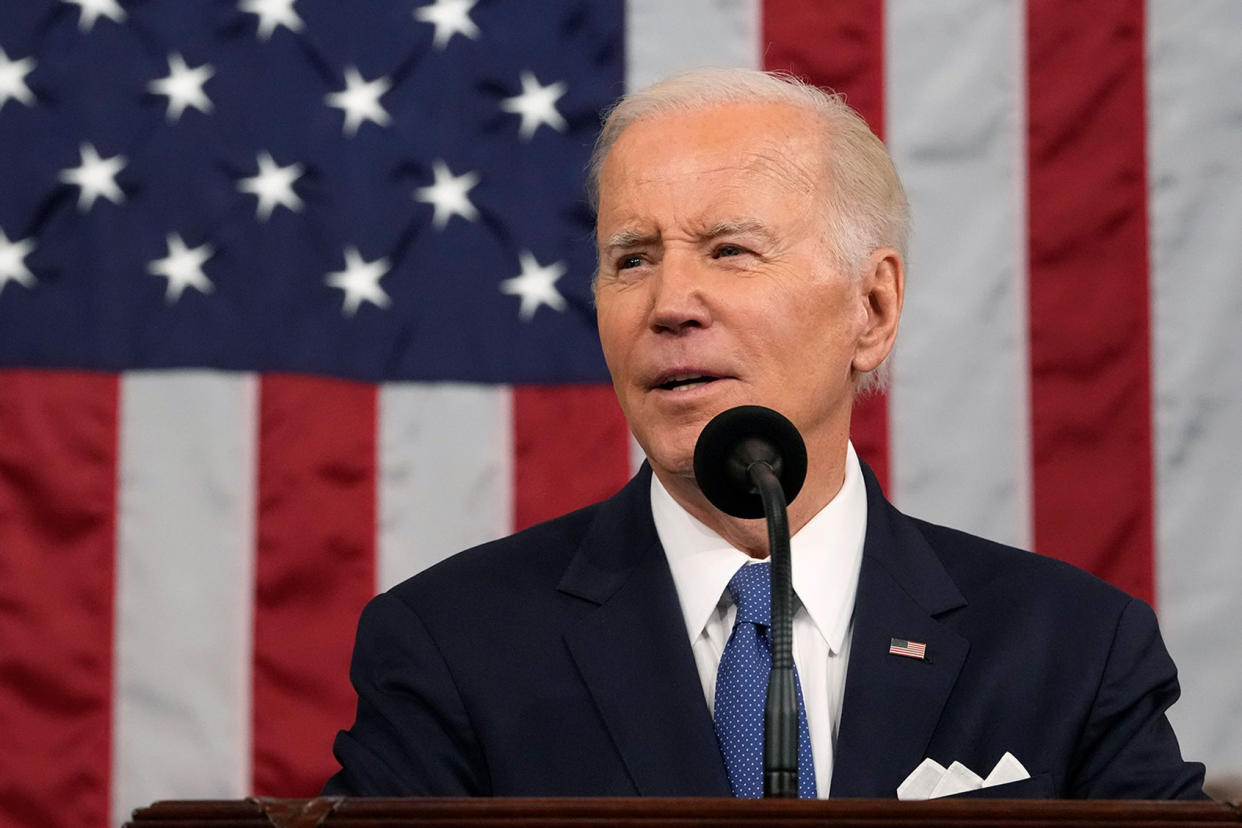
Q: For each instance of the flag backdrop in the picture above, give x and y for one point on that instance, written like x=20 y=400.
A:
x=294 y=301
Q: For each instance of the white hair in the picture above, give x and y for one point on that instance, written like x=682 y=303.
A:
x=867 y=207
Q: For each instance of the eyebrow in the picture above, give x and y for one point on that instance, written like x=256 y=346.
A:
x=738 y=227
x=629 y=239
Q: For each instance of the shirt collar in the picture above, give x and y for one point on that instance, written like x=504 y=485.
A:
x=827 y=554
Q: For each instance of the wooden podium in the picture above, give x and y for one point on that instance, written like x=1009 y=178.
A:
x=533 y=813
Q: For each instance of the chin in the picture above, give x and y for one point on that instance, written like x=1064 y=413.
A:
x=672 y=456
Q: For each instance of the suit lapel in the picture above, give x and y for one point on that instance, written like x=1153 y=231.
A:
x=635 y=660
x=633 y=653
x=892 y=703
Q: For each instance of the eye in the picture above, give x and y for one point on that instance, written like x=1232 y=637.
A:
x=629 y=262
x=727 y=250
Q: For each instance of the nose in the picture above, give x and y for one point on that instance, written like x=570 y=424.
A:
x=679 y=301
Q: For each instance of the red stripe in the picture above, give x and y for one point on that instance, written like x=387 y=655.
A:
x=1089 y=337
x=570 y=446
x=838 y=45
x=913 y=652
x=58 y=456
x=315 y=569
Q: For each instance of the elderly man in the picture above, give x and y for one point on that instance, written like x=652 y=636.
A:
x=751 y=232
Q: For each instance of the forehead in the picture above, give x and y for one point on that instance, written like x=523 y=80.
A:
x=730 y=150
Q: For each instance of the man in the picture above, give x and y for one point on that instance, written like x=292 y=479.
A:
x=751 y=233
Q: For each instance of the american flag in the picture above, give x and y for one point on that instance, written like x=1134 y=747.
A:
x=910 y=649
x=294 y=301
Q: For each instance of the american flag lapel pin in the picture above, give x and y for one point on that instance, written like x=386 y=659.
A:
x=909 y=649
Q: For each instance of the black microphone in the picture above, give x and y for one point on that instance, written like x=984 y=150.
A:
x=749 y=462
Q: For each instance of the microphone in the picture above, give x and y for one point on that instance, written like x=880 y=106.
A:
x=735 y=440
x=750 y=462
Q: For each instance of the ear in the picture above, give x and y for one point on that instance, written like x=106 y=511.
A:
x=882 y=288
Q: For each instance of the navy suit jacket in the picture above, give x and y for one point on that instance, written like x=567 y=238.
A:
x=555 y=662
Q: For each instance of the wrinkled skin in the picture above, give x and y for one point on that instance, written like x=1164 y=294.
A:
x=715 y=263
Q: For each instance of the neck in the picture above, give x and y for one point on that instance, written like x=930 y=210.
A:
x=824 y=479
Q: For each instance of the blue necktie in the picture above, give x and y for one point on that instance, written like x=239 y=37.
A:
x=742 y=686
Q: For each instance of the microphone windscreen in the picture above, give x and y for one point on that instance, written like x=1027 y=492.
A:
x=731 y=442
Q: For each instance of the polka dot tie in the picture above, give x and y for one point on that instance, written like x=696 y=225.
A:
x=742 y=686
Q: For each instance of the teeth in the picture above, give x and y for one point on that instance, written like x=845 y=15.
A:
x=683 y=382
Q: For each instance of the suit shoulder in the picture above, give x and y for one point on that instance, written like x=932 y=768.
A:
x=982 y=566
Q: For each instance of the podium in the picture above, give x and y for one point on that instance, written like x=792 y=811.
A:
x=338 y=812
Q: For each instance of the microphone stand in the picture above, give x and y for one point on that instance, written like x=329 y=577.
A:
x=780 y=725
x=742 y=452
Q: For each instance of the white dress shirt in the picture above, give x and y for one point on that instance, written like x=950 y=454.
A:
x=827 y=553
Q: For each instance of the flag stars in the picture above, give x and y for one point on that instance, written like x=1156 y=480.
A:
x=449 y=195
x=96 y=177
x=183 y=86
x=536 y=285
x=273 y=13
x=450 y=17
x=183 y=267
x=13 y=262
x=13 y=79
x=360 y=100
x=360 y=281
x=273 y=186
x=92 y=10
x=536 y=105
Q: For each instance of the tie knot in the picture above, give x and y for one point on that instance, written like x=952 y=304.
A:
x=751 y=589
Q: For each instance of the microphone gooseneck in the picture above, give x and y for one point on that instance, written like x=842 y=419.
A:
x=750 y=462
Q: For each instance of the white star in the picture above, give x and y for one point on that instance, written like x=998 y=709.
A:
x=183 y=268
x=360 y=281
x=537 y=105
x=273 y=13
x=273 y=185
x=93 y=9
x=360 y=100
x=12 y=265
x=450 y=17
x=183 y=86
x=13 y=79
x=536 y=285
x=96 y=176
x=449 y=195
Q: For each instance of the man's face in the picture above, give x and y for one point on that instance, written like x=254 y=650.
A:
x=716 y=285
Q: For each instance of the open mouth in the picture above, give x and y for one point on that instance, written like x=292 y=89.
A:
x=686 y=382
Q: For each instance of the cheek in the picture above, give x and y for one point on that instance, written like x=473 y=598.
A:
x=615 y=332
x=825 y=326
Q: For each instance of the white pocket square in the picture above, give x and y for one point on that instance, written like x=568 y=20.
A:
x=931 y=779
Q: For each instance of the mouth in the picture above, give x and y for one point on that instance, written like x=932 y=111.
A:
x=685 y=382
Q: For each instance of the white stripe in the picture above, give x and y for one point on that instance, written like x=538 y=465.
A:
x=637 y=455
x=667 y=36
x=184 y=586
x=958 y=405
x=445 y=473
x=1195 y=203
